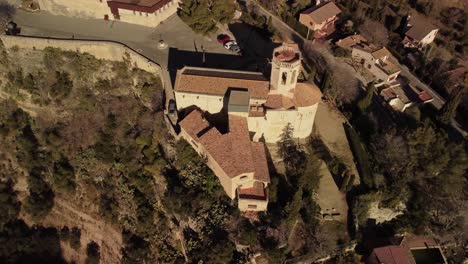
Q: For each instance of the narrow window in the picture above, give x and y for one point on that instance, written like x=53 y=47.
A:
x=243 y=177
x=284 y=77
x=252 y=206
x=293 y=77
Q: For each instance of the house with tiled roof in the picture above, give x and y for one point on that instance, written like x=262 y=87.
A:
x=257 y=110
x=398 y=97
x=320 y=19
x=378 y=61
x=349 y=42
x=142 y=12
x=390 y=255
x=419 y=32
x=409 y=249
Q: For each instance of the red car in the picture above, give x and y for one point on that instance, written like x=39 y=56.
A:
x=223 y=38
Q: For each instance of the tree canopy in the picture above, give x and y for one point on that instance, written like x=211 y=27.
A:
x=202 y=15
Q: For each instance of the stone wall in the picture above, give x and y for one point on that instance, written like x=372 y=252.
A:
x=105 y=50
x=76 y=8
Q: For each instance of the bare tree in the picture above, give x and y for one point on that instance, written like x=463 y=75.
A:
x=374 y=31
x=344 y=84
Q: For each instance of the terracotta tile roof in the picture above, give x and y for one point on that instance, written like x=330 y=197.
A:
x=278 y=101
x=321 y=13
x=194 y=123
x=412 y=241
x=420 y=27
x=424 y=96
x=261 y=164
x=217 y=82
x=388 y=94
x=147 y=3
x=392 y=255
x=350 y=41
x=381 y=53
x=306 y=94
x=252 y=193
x=233 y=151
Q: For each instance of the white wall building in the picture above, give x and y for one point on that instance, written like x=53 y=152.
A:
x=271 y=105
x=378 y=61
x=142 y=12
x=419 y=33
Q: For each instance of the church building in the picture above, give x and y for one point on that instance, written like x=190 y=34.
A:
x=257 y=111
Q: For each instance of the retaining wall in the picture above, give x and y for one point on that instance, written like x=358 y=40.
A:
x=106 y=50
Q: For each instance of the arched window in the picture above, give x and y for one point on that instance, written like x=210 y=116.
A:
x=284 y=77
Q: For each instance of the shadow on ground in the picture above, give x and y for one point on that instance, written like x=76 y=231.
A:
x=256 y=53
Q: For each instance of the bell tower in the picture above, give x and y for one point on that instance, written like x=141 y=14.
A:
x=285 y=68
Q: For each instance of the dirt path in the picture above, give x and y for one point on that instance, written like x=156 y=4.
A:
x=92 y=229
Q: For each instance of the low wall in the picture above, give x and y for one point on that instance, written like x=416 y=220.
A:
x=106 y=50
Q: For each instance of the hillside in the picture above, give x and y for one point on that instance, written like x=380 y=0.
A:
x=82 y=137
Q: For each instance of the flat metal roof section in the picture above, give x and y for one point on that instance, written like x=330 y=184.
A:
x=255 y=76
x=239 y=101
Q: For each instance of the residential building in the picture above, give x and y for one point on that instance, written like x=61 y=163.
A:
x=349 y=42
x=268 y=105
x=239 y=163
x=378 y=61
x=390 y=255
x=408 y=250
x=424 y=96
x=142 y=12
x=397 y=97
x=320 y=19
x=419 y=32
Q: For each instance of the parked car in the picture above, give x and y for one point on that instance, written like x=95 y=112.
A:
x=172 y=108
x=228 y=45
x=236 y=49
x=223 y=38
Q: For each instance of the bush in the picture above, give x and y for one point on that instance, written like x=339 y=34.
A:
x=92 y=253
x=63 y=177
x=75 y=238
x=340 y=52
x=65 y=233
x=361 y=156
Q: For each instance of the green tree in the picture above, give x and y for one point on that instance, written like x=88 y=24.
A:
x=63 y=176
x=41 y=197
x=364 y=103
x=75 y=238
x=202 y=15
x=293 y=157
x=449 y=110
x=9 y=203
x=92 y=253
